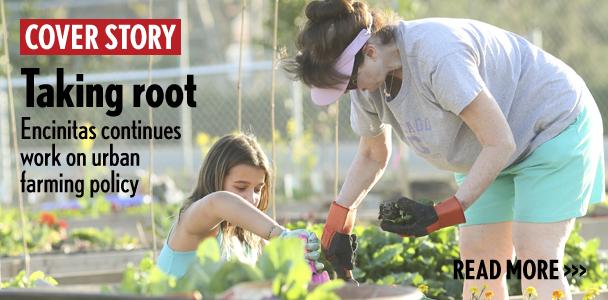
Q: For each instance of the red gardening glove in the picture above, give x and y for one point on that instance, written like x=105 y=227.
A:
x=407 y=217
x=337 y=242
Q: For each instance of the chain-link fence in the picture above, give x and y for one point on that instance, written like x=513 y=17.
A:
x=574 y=31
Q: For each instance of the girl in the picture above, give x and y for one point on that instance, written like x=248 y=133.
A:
x=517 y=126
x=228 y=203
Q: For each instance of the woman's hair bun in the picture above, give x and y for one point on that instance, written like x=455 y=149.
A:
x=319 y=11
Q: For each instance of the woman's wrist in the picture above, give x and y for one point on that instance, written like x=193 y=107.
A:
x=346 y=203
x=465 y=202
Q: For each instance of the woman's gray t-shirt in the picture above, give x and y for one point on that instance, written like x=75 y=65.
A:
x=446 y=63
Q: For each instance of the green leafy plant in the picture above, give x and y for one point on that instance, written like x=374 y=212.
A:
x=282 y=264
x=385 y=258
x=586 y=253
x=102 y=238
x=37 y=278
x=146 y=279
x=45 y=232
x=42 y=233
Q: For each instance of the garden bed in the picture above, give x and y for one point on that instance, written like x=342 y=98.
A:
x=133 y=225
x=77 y=268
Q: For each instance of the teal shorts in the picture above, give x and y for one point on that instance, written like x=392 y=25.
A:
x=557 y=182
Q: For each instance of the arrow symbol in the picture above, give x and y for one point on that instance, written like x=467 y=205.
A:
x=575 y=270
x=583 y=270
x=567 y=270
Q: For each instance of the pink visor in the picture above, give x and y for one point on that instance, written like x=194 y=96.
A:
x=344 y=65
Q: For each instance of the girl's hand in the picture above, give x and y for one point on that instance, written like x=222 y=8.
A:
x=312 y=246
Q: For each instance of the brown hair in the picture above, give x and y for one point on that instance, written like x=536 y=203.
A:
x=227 y=152
x=331 y=26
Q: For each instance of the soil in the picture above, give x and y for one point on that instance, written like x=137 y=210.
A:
x=392 y=212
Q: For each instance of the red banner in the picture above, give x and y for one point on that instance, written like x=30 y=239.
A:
x=100 y=36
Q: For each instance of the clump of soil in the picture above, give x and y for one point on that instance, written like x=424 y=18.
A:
x=391 y=211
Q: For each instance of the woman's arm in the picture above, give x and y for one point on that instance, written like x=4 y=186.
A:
x=486 y=120
x=368 y=166
x=202 y=218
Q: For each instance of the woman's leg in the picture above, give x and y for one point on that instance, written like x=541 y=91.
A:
x=554 y=186
x=485 y=242
x=543 y=241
